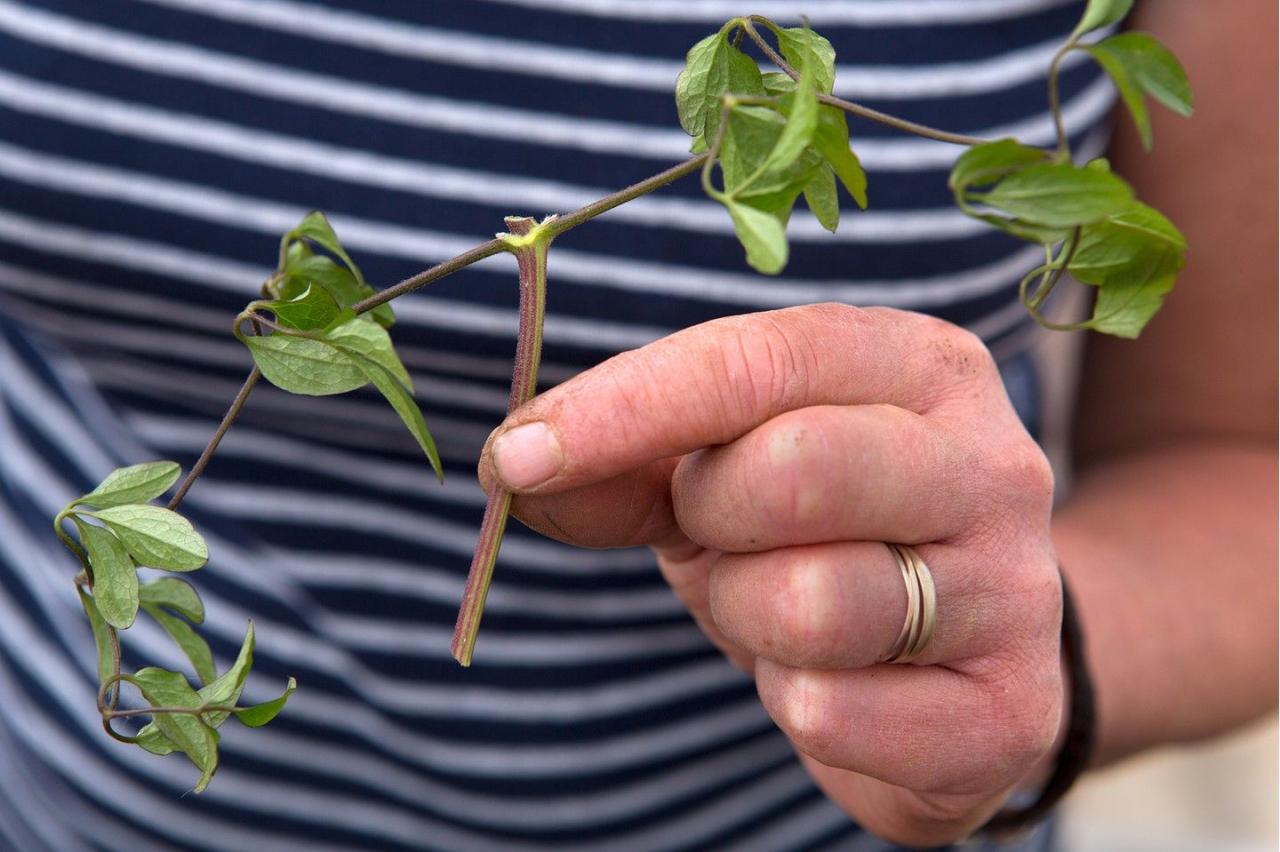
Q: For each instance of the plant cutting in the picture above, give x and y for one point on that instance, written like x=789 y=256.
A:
x=761 y=141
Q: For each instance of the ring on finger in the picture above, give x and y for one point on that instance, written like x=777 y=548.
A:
x=922 y=605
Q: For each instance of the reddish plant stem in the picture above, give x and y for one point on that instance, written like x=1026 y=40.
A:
x=532 y=262
x=230 y=417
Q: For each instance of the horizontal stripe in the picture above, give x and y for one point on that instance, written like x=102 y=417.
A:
x=858 y=12
x=524 y=58
x=411 y=243
x=450 y=116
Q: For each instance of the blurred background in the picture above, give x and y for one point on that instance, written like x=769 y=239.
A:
x=1214 y=797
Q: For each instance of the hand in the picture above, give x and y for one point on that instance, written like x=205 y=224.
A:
x=766 y=458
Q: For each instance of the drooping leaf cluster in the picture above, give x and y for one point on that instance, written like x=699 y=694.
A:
x=1104 y=236
x=319 y=345
x=117 y=530
x=773 y=140
x=770 y=137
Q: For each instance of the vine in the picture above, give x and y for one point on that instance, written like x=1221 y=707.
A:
x=321 y=329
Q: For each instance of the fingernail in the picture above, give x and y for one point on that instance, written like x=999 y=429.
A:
x=527 y=456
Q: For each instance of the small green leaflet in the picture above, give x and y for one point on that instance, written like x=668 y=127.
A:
x=222 y=691
x=809 y=53
x=1099 y=14
x=177 y=595
x=313 y=309
x=1133 y=257
x=361 y=336
x=832 y=141
x=1057 y=194
x=304 y=366
x=820 y=195
x=1125 y=306
x=984 y=164
x=342 y=358
x=193 y=737
x=777 y=83
x=762 y=235
x=802 y=123
x=1139 y=64
x=191 y=643
x=752 y=135
x=713 y=68
x=115 y=579
x=101 y=637
x=226 y=688
x=316 y=228
x=260 y=714
x=402 y=401
x=134 y=484
x=156 y=537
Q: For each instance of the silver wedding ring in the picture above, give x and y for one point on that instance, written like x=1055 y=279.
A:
x=922 y=605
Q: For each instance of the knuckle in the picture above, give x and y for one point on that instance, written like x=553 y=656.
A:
x=792 y=466
x=801 y=710
x=1028 y=475
x=1021 y=717
x=803 y=610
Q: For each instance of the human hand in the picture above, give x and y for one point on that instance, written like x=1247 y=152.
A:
x=765 y=459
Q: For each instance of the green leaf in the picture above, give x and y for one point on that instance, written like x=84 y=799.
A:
x=987 y=163
x=101 y=637
x=319 y=269
x=762 y=235
x=752 y=134
x=226 y=688
x=315 y=227
x=313 y=309
x=1058 y=194
x=305 y=366
x=1099 y=14
x=808 y=52
x=186 y=638
x=336 y=280
x=832 y=141
x=134 y=484
x=802 y=123
x=749 y=137
x=1132 y=242
x=1139 y=64
x=260 y=714
x=156 y=537
x=153 y=741
x=1133 y=258
x=194 y=738
x=403 y=403
x=777 y=83
x=820 y=195
x=713 y=68
x=1124 y=306
x=115 y=580
x=361 y=336
x=177 y=595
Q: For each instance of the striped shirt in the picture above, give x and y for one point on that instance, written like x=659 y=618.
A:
x=152 y=152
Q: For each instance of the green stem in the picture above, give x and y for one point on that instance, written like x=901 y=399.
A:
x=531 y=258
x=1055 y=104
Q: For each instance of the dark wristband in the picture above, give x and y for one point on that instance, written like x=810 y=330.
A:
x=1077 y=745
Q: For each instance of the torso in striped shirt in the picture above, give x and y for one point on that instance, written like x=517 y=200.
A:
x=152 y=152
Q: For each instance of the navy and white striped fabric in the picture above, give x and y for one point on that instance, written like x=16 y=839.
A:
x=151 y=154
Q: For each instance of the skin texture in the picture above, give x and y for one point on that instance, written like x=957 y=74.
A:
x=765 y=458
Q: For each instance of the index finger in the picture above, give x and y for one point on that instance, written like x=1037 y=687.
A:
x=712 y=383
